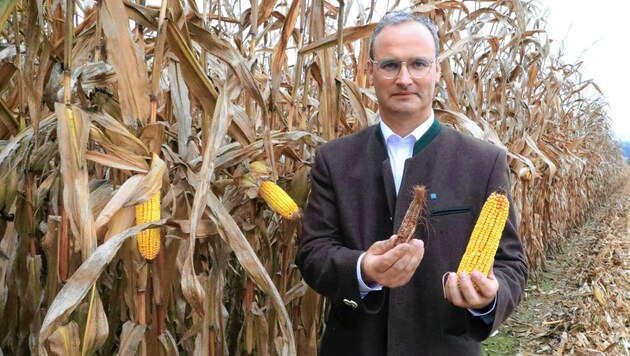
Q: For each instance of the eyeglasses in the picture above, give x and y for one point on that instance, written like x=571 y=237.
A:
x=417 y=67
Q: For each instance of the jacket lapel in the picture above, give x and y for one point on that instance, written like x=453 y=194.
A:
x=390 y=186
x=388 y=175
x=428 y=136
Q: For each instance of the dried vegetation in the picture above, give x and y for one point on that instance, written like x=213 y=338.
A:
x=582 y=304
x=103 y=104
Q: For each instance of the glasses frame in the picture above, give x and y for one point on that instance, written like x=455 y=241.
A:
x=431 y=62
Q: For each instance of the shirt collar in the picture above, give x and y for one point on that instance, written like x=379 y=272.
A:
x=416 y=133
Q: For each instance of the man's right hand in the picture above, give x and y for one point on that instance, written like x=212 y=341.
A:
x=391 y=265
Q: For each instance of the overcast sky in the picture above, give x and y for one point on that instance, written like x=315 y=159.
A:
x=595 y=32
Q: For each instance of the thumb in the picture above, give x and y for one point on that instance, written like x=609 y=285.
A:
x=382 y=246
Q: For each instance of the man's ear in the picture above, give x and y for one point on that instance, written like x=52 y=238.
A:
x=370 y=72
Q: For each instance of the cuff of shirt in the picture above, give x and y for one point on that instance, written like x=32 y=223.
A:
x=364 y=289
x=488 y=316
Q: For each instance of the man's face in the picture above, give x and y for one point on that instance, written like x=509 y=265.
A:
x=404 y=96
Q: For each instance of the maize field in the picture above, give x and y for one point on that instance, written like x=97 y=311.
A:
x=106 y=104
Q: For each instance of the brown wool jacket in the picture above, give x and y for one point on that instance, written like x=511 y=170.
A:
x=353 y=203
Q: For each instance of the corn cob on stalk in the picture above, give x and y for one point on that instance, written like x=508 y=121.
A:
x=278 y=200
x=408 y=226
x=485 y=237
x=149 y=240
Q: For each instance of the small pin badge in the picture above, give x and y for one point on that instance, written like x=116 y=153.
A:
x=433 y=196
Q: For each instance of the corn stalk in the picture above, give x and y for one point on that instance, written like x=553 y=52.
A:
x=172 y=99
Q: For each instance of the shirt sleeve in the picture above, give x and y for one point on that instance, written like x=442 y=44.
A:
x=486 y=316
x=364 y=289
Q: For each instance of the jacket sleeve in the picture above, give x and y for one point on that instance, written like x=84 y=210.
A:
x=326 y=263
x=510 y=266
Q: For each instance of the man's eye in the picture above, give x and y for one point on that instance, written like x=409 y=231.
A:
x=390 y=65
x=420 y=63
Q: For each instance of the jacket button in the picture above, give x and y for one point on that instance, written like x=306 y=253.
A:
x=350 y=303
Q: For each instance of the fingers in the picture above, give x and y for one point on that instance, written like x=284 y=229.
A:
x=380 y=247
x=392 y=266
x=451 y=290
x=403 y=269
x=475 y=291
x=487 y=286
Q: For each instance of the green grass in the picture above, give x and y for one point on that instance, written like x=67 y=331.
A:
x=500 y=345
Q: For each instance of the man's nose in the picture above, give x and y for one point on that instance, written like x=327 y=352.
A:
x=403 y=77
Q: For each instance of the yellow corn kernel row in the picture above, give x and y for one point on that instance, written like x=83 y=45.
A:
x=149 y=239
x=278 y=200
x=485 y=237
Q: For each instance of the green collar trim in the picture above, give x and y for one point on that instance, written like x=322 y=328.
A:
x=428 y=136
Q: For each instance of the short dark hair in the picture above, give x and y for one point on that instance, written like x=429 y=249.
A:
x=400 y=17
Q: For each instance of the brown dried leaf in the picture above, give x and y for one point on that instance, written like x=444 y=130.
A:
x=72 y=130
x=350 y=34
x=65 y=341
x=248 y=258
x=96 y=328
x=128 y=60
x=198 y=83
x=135 y=190
x=83 y=279
x=168 y=344
x=191 y=287
x=130 y=337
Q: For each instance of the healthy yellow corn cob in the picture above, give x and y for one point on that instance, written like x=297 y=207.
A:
x=485 y=237
x=278 y=200
x=149 y=240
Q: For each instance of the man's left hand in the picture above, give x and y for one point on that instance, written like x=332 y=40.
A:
x=464 y=294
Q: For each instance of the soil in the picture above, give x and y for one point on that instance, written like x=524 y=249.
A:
x=580 y=305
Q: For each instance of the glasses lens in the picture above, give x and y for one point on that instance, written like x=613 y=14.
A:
x=418 y=67
x=389 y=68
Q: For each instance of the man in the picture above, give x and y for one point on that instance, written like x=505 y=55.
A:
x=389 y=299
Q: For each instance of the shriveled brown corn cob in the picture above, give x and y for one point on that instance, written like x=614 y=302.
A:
x=149 y=240
x=416 y=207
x=485 y=237
x=278 y=200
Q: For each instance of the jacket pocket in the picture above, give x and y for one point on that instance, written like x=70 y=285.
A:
x=450 y=211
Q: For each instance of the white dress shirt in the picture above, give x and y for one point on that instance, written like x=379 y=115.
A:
x=399 y=149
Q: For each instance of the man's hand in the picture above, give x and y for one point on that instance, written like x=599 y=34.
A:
x=464 y=294
x=391 y=265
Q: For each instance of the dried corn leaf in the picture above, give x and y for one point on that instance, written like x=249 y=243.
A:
x=179 y=96
x=78 y=286
x=95 y=325
x=6 y=9
x=72 y=130
x=198 y=83
x=233 y=235
x=135 y=190
x=65 y=341
x=191 y=287
x=130 y=337
x=128 y=60
x=349 y=34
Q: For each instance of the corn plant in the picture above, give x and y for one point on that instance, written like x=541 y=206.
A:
x=106 y=104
